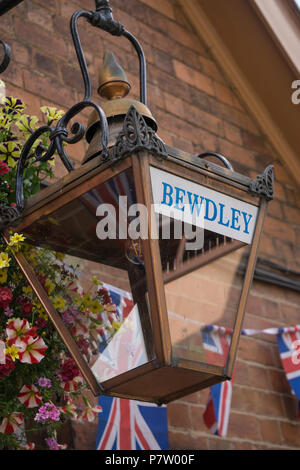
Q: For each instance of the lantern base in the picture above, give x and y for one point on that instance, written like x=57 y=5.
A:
x=162 y=384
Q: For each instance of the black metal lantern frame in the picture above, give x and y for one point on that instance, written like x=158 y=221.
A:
x=137 y=152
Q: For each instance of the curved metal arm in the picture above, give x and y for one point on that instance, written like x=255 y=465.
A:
x=142 y=61
x=6 y=58
x=219 y=156
x=78 y=48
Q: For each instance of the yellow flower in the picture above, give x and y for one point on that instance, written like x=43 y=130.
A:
x=116 y=325
x=95 y=306
x=52 y=114
x=13 y=351
x=27 y=290
x=4 y=260
x=77 y=299
x=86 y=300
x=27 y=124
x=40 y=310
x=96 y=281
x=50 y=285
x=59 y=303
x=59 y=256
x=3 y=276
x=15 y=241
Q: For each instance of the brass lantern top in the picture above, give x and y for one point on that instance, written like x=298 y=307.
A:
x=113 y=89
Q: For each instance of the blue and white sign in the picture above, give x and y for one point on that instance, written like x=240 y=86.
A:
x=195 y=204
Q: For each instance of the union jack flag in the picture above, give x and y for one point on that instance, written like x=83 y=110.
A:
x=131 y=425
x=289 y=349
x=128 y=424
x=216 y=342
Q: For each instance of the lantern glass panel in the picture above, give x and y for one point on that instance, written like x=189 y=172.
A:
x=202 y=298
x=123 y=339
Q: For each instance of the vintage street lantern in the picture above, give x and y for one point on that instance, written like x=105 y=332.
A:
x=178 y=233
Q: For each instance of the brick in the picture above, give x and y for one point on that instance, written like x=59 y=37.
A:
x=233 y=133
x=211 y=69
x=279 y=229
x=20 y=53
x=275 y=209
x=271 y=309
x=252 y=375
x=179 y=415
x=193 y=78
x=290 y=314
x=292 y=215
x=243 y=426
x=13 y=75
x=220 y=444
x=28 y=33
x=256 y=402
x=254 y=304
x=49 y=89
x=186 y=441
x=84 y=437
x=253 y=350
x=255 y=142
x=278 y=381
x=40 y=16
x=290 y=433
x=164 y=6
x=46 y=64
x=163 y=61
x=233 y=115
x=236 y=153
x=270 y=431
x=223 y=93
x=192 y=114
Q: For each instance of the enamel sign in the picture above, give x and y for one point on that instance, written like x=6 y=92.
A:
x=203 y=207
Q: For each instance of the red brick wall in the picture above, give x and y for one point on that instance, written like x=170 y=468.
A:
x=196 y=110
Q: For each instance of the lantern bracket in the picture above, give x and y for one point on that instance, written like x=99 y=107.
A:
x=137 y=136
x=263 y=185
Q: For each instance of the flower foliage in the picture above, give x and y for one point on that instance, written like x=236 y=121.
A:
x=39 y=382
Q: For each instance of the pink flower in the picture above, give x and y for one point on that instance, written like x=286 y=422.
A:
x=8 y=312
x=29 y=396
x=6 y=296
x=33 y=351
x=11 y=423
x=47 y=412
x=18 y=331
x=53 y=445
x=44 y=383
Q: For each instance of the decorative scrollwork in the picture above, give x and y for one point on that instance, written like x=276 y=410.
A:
x=6 y=58
x=57 y=137
x=264 y=184
x=137 y=135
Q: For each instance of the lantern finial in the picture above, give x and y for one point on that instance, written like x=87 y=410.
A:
x=113 y=82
